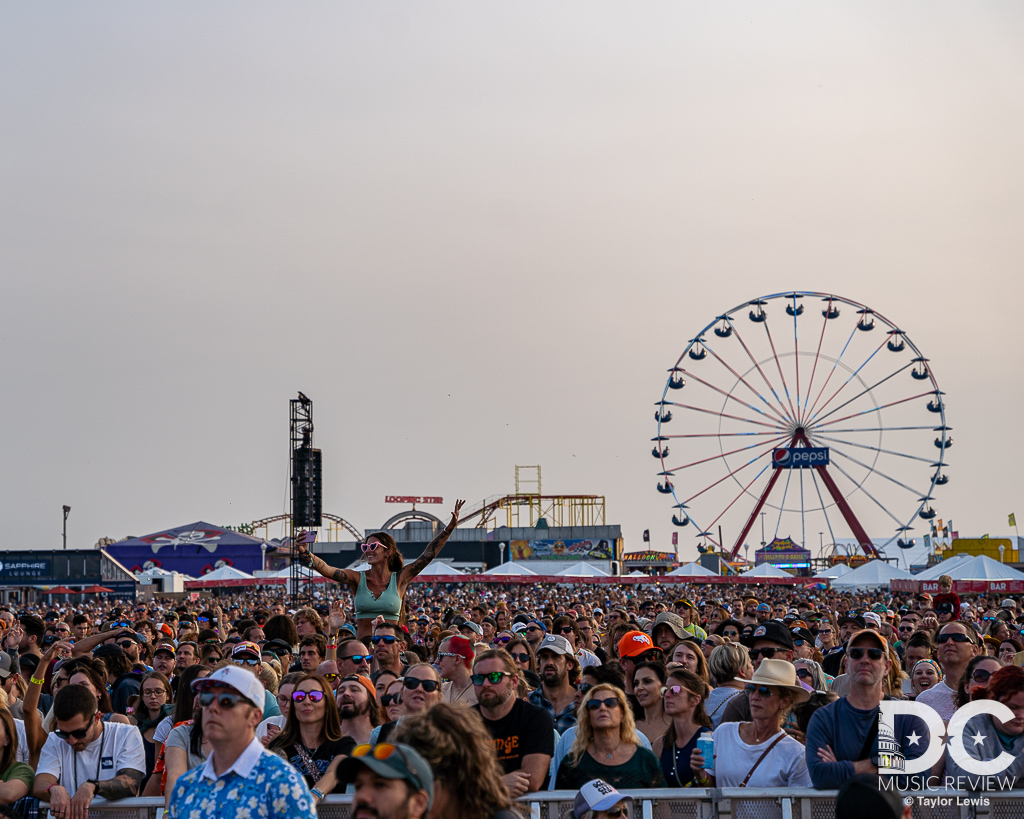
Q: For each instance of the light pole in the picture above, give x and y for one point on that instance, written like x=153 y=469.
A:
x=762 y=528
x=501 y=548
x=821 y=545
x=67 y=510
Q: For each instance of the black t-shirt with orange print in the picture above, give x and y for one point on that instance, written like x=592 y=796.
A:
x=526 y=729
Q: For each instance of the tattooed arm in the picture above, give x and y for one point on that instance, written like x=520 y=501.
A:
x=433 y=548
x=322 y=567
x=122 y=786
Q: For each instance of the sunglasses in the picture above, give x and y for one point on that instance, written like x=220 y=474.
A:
x=731 y=633
x=225 y=699
x=762 y=690
x=676 y=690
x=583 y=688
x=369 y=547
x=126 y=644
x=250 y=661
x=493 y=678
x=314 y=696
x=906 y=628
x=185 y=624
x=804 y=673
x=501 y=639
x=566 y=630
x=79 y=734
x=799 y=642
x=387 y=638
x=858 y=653
x=980 y=675
x=330 y=677
x=534 y=628
x=956 y=637
x=358 y=658
x=213 y=660
x=825 y=630
x=520 y=658
x=448 y=654
x=391 y=699
x=609 y=703
x=767 y=653
x=412 y=683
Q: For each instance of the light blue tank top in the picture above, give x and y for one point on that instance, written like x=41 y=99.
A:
x=388 y=605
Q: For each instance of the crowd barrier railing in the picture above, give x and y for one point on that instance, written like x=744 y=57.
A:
x=675 y=803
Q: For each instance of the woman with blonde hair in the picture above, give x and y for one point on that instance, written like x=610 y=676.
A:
x=727 y=665
x=460 y=751
x=607 y=745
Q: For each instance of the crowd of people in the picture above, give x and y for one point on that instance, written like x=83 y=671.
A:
x=453 y=701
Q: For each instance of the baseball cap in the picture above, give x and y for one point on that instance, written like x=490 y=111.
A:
x=107 y=651
x=860 y=796
x=674 y=622
x=246 y=648
x=236 y=677
x=472 y=627
x=556 y=643
x=871 y=617
x=764 y=607
x=596 y=795
x=278 y=646
x=163 y=647
x=874 y=635
x=1008 y=604
x=131 y=635
x=773 y=631
x=634 y=643
x=6 y=664
x=391 y=762
x=853 y=618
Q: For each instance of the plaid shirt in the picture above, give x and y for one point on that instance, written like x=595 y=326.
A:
x=563 y=721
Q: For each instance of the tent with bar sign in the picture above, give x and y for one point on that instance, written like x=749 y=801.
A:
x=194 y=549
x=784 y=554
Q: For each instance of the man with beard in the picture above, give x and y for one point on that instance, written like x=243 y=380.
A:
x=388 y=643
x=848 y=625
x=163 y=659
x=559 y=671
x=353 y=657
x=391 y=782
x=357 y=707
x=524 y=734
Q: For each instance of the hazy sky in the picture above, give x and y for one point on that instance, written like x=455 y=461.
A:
x=476 y=235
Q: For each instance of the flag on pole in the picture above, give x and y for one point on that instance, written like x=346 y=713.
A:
x=939 y=524
x=984 y=536
x=675 y=538
x=647 y=535
x=927 y=542
x=1013 y=519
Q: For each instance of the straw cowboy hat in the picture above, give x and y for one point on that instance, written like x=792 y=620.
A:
x=777 y=674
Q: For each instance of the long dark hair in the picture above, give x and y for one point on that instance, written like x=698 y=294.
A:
x=97 y=674
x=332 y=722
x=395 y=562
x=695 y=685
x=281 y=627
x=184 y=698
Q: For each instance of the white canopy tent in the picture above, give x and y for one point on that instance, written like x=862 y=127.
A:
x=871 y=575
x=765 y=570
x=226 y=573
x=691 y=570
x=941 y=568
x=582 y=570
x=435 y=569
x=982 y=567
x=836 y=571
x=510 y=570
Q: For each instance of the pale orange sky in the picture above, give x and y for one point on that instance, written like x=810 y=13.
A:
x=476 y=235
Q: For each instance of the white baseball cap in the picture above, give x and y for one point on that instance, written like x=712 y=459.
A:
x=596 y=795
x=238 y=678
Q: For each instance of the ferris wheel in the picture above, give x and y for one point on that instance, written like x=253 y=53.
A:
x=808 y=411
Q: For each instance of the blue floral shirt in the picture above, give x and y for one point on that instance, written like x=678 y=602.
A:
x=259 y=784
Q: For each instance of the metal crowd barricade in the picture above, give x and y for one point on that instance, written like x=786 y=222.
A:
x=676 y=803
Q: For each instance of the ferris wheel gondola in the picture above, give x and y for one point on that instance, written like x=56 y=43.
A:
x=765 y=387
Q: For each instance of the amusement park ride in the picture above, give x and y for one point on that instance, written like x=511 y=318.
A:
x=813 y=392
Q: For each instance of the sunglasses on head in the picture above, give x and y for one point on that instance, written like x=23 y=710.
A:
x=122 y=624
x=369 y=547
x=608 y=702
x=387 y=638
x=391 y=699
x=857 y=653
x=79 y=734
x=956 y=637
x=493 y=678
x=314 y=696
x=762 y=690
x=412 y=683
x=767 y=653
x=225 y=699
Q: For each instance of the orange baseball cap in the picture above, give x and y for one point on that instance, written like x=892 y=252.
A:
x=635 y=643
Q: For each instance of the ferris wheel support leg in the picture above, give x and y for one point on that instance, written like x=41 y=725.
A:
x=753 y=515
x=847 y=512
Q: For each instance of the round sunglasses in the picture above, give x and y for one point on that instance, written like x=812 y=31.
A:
x=314 y=696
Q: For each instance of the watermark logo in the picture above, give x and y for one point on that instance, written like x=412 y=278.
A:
x=891 y=754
